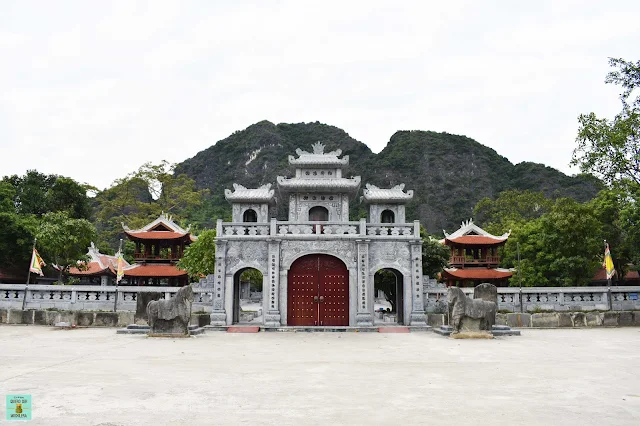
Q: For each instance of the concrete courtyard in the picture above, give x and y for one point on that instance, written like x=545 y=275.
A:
x=545 y=377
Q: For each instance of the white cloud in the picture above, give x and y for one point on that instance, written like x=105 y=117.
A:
x=95 y=89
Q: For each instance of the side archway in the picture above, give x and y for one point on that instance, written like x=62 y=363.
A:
x=248 y=296
x=388 y=284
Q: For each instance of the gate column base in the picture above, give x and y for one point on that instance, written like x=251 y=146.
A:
x=418 y=318
x=364 y=319
x=272 y=319
x=219 y=318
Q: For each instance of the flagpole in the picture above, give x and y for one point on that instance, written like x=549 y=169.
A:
x=115 y=299
x=520 y=276
x=26 y=287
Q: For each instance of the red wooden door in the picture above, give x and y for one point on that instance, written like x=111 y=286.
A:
x=318 y=292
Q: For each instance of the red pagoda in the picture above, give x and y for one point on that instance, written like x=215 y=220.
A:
x=101 y=268
x=474 y=257
x=159 y=246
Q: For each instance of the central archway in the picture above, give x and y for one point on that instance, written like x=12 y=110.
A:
x=318 y=292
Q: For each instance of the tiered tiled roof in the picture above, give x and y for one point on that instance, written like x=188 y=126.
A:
x=318 y=158
x=478 y=273
x=263 y=194
x=323 y=180
x=163 y=228
x=311 y=184
x=471 y=234
x=99 y=264
x=395 y=195
x=154 y=270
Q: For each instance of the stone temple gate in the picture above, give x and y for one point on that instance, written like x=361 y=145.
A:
x=318 y=267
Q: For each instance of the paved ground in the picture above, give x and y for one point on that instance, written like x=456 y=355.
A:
x=545 y=377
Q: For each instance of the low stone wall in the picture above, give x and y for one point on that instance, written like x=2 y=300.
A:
x=90 y=297
x=536 y=299
x=80 y=318
x=557 y=319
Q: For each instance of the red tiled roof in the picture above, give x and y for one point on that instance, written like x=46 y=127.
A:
x=156 y=235
x=477 y=273
x=93 y=268
x=476 y=239
x=153 y=270
x=601 y=275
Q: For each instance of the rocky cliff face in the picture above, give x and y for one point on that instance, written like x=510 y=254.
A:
x=448 y=173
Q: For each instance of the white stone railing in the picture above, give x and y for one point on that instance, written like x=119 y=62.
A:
x=90 y=297
x=392 y=229
x=318 y=228
x=547 y=298
x=244 y=228
x=301 y=229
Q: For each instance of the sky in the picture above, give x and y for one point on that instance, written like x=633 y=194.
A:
x=93 y=89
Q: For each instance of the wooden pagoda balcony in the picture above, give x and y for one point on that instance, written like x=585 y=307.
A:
x=149 y=256
x=466 y=260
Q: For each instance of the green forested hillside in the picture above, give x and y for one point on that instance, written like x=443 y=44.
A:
x=448 y=173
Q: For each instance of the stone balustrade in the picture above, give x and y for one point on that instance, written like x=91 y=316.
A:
x=89 y=297
x=547 y=298
x=288 y=229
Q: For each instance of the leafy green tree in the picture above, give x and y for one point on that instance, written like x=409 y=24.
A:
x=254 y=277
x=607 y=148
x=16 y=241
x=37 y=193
x=386 y=281
x=64 y=240
x=435 y=256
x=199 y=258
x=561 y=248
x=510 y=209
x=141 y=197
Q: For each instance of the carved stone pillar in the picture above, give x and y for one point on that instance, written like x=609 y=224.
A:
x=417 y=304
x=364 y=314
x=218 y=314
x=272 y=291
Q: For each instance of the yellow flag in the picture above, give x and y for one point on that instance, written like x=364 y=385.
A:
x=36 y=263
x=120 y=273
x=608 y=262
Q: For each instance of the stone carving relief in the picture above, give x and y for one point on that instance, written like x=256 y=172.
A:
x=246 y=254
x=391 y=254
x=291 y=250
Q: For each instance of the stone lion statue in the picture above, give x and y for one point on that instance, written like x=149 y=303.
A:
x=469 y=314
x=171 y=316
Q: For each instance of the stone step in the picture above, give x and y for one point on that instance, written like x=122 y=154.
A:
x=243 y=329
x=393 y=330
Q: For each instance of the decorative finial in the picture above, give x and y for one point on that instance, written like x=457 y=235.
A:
x=318 y=148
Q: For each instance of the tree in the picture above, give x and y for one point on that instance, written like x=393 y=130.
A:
x=16 y=242
x=561 y=248
x=199 y=258
x=141 y=197
x=510 y=209
x=386 y=281
x=64 y=240
x=610 y=149
x=435 y=256
x=37 y=193
x=254 y=277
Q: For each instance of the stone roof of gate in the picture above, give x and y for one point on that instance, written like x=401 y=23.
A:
x=318 y=157
x=262 y=194
x=373 y=194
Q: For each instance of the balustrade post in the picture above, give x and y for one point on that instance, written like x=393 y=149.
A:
x=74 y=295
x=219 y=228
x=363 y=227
x=416 y=228
x=272 y=227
